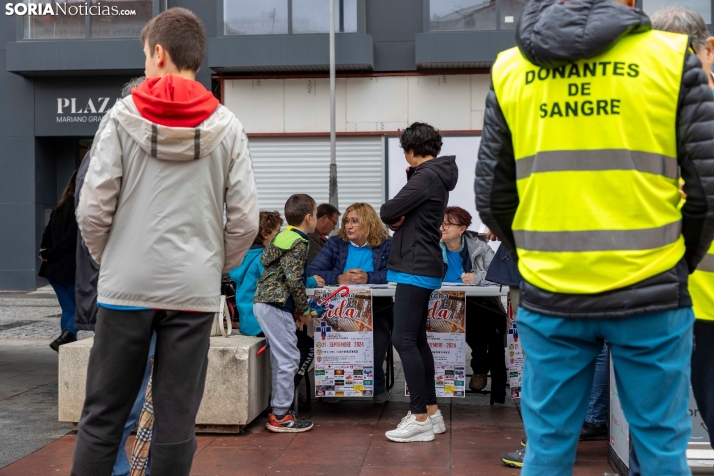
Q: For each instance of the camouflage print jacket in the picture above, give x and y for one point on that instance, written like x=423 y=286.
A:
x=285 y=261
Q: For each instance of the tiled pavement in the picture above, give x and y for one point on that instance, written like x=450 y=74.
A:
x=348 y=439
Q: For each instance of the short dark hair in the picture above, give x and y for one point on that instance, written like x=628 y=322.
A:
x=268 y=222
x=182 y=35
x=297 y=207
x=462 y=217
x=327 y=210
x=422 y=139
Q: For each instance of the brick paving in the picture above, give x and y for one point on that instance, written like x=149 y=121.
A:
x=348 y=439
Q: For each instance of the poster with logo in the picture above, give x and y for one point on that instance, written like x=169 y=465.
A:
x=514 y=354
x=445 y=331
x=344 y=364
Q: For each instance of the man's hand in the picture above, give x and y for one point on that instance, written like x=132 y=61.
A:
x=395 y=226
x=468 y=278
x=344 y=279
x=320 y=281
x=491 y=236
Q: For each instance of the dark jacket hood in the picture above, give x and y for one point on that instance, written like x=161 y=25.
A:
x=552 y=33
x=445 y=167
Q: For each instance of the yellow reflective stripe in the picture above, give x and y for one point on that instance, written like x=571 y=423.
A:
x=596 y=200
x=598 y=240
x=596 y=160
x=706 y=264
x=590 y=272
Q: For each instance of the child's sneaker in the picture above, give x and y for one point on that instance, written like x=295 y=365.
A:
x=288 y=424
x=409 y=429
x=437 y=420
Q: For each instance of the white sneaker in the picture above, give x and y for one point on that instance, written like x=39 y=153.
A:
x=411 y=430
x=437 y=420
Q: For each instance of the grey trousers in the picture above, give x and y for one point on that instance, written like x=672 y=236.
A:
x=279 y=328
x=116 y=368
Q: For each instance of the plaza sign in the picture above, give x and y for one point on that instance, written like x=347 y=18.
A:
x=69 y=110
x=74 y=106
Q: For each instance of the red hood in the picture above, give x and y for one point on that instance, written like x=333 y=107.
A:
x=174 y=101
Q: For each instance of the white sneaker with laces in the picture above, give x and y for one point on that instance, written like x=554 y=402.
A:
x=411 y=430
x=437 y=420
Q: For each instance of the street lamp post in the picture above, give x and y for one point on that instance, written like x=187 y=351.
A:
x=333 y=135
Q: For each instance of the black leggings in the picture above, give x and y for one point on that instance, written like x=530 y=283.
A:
x=411 y=304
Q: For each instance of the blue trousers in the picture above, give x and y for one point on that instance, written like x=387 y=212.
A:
x=65 y=296
x=651 y=354
x=121 y=467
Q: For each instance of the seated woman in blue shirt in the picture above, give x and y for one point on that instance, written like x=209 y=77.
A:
x=358 y=255
x=466 y=260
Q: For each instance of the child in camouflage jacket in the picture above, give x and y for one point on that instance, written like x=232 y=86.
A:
x=280 y=294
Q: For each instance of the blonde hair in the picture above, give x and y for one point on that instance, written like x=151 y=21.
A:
x=372 y=226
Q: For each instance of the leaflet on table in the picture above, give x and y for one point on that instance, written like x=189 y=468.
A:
x=515 y=362
x=445 y=330
x=344 y=364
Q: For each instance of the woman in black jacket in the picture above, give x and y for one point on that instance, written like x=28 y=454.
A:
x=416 y=265
x=58 y=253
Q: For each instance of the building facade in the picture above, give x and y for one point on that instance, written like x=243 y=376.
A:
x=398 y=61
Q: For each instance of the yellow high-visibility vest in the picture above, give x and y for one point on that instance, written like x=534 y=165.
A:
x=596 y=168
x=701 y=287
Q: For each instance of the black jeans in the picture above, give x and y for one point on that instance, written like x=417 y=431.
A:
x=485 y=334
x=411 y=304
x=703 y=372
x=116 y=367
x=383 y=322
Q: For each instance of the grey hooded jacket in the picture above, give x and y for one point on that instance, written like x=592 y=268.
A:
x=151 y=210
x=552 y=33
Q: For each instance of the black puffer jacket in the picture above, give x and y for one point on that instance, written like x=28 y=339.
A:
x=60 y=239
x=422 y=202
x=552 y=33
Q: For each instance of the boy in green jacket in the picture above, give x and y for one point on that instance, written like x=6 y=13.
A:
x=279 y=296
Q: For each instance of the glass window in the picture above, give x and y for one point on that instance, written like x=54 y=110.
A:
x=510 y=13
x=67 y=23
x=119 y=18
x=453 y=15
x=703 y=7
x=463 y=15
x=313 y=16
x=251 y=17
x=271 y=17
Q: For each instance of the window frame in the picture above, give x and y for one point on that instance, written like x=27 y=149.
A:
x=361 y=22
x=158 y=6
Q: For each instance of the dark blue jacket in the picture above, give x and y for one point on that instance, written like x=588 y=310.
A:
x=503 y=269
x=330 y=263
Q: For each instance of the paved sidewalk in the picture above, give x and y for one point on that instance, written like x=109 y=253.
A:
x=28 y=398
x=348 y=439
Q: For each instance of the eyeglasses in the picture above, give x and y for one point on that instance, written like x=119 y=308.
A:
x=446 y=225
x=346 y=221
x=334 y=223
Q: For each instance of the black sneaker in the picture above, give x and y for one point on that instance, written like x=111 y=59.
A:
x=514 y=459
x=287 y=424
x=524 y=441
x=590 y=432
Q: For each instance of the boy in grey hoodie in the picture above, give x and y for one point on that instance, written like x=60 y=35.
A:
x=164 y=165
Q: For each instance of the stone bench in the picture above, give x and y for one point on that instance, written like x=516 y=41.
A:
x=237 y=383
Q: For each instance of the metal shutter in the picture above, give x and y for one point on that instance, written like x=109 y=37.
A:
x=284 y=166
